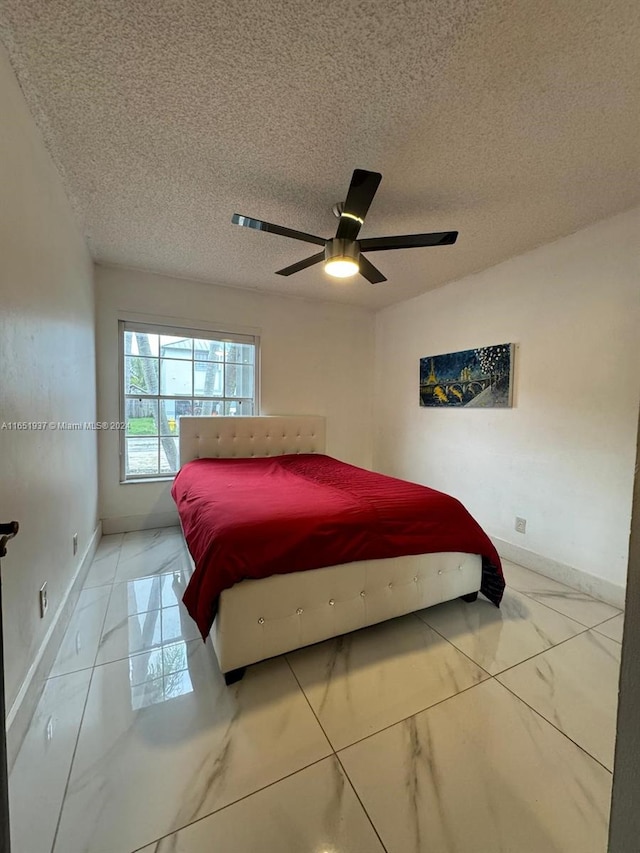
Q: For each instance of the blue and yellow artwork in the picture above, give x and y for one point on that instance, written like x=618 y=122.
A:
x=473 y=378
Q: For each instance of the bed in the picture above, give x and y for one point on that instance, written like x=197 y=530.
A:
x=251 y=619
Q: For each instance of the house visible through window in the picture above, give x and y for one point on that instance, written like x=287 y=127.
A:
x=170 y=372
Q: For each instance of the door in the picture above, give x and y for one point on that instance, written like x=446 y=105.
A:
x=7 y=531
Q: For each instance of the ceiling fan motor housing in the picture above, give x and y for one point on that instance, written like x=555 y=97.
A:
x=337 y=248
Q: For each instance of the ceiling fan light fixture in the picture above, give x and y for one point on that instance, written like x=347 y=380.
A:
x=341 y=267
x=341 y=258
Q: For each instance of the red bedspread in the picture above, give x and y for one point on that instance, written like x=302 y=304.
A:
x=250 y=518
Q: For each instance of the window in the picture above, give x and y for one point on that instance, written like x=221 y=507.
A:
x=169 y=372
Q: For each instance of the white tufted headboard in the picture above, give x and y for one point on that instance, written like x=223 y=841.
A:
x=245 y=436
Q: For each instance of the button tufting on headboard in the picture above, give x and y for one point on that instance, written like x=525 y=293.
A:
x=249 y=436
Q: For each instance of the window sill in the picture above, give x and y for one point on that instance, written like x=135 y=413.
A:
x=144 y=480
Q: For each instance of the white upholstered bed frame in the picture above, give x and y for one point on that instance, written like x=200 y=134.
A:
x=258 y=619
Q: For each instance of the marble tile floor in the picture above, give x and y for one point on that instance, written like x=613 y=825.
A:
x=459 y=729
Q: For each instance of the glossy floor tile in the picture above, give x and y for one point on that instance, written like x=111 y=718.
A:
x=575 y=687
x=313 y=811
x=497 y=638
x=80 y=642
x=149 y=552
x=480 y=773
x=143 y=614
x=570 y=602
x=152 y=752
x=39 y=776
x=612 y=628
x=367 y=680
x=165 y=742
x=103 y=568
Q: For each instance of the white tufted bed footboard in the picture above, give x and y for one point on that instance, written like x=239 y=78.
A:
x=258 y=619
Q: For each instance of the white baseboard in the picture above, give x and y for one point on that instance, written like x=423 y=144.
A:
x=599 y=588
x=21 y=712
x=127 y=523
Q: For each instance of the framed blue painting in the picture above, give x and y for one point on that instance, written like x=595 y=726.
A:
x=474 y=378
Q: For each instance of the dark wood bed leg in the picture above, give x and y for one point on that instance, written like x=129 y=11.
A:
x=235 y=675
x=472 y=596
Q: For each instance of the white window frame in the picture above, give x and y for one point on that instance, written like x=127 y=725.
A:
x=171 y=329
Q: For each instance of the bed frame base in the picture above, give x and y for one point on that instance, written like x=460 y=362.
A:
x=259 y=619
x=234 y=675
x=470 y=597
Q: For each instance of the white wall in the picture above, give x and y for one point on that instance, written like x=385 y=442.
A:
x=48 y=480
x=316 y=358
x=563 y=457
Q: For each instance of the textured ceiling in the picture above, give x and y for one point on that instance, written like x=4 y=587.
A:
x=513 y=122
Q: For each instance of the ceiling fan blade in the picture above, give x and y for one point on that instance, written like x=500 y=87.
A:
x=302 y=265
x=370 y=272
x=361 y=192
x=259 y=225
x=408 y=241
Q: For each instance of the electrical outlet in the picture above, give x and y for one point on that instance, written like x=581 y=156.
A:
x=521 y=525
x=75 y=544
x=44 y=600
